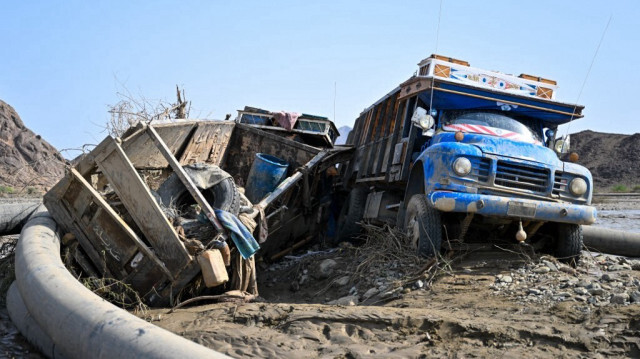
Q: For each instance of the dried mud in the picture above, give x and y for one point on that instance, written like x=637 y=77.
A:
x=465 y=310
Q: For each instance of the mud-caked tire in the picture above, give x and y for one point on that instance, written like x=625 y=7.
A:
x=568 y=243
x=223 y=195
x=423 y=224
x=351 y=214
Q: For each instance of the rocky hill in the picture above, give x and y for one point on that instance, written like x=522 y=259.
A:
x=28 y=164
x=613 y=159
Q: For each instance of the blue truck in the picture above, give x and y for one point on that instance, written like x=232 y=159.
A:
x=458 y=152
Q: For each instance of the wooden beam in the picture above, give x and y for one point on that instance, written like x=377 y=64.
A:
x=142 y=207
x=97 y=198
x=186 y=180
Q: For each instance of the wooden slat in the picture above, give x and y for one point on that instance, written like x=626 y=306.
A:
x=62 y=212
x=208 y=144
x=142 y=152
x=184 y=178
x=144 y=210
x=117 y=226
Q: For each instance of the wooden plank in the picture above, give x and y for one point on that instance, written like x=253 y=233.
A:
x=116 y=227
x=208 y=143
x=395 y=136
x=185 y=179
x=144 y=210
x=142 y=153
x=61 y=211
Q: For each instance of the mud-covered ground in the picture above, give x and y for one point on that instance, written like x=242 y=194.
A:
x=482 y=300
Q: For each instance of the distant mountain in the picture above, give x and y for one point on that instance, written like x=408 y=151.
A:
x=344 y=132
x=28 y=163
x=613 y=159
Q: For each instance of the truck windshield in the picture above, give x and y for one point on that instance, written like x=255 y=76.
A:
x=492 y=123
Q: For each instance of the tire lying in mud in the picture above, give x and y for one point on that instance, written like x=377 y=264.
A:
x=424 y=226
x=216 y=185
x=568 y=243
x=351 y=213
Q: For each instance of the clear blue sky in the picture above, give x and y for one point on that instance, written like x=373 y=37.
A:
x=63 y=62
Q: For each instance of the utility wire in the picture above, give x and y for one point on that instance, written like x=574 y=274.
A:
x=585 y=80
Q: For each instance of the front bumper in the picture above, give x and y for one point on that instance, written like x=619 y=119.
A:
x=512 y=207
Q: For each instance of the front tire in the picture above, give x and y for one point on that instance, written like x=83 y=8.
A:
x=568 y=243
x=424 y=226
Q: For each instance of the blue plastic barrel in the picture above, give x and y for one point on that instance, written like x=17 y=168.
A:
x=266 y=173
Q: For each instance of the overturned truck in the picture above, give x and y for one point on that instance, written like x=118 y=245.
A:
x=164 y=203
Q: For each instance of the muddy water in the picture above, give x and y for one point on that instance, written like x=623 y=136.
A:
x=627 y=220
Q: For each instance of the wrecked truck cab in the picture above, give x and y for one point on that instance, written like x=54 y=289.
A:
x=456 y=150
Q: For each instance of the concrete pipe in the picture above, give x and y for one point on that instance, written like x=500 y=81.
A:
x=79 y=323
x=13 y=215
x=611 y=241
x=27 y=326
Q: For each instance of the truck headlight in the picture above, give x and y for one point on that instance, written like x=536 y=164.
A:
x=577 y=186
x=462 y=166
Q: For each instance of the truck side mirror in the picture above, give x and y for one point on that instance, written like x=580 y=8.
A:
x=421 y=119
x=562 y=145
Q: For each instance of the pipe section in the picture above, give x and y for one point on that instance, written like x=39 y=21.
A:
x=79 y=323
x=27 y=326
x=14 y=215
x=611 y=241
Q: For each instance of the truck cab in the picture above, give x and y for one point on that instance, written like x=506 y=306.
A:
x=469 y=151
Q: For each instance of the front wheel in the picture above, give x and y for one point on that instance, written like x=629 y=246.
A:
x=423 y=225
x=568 y=243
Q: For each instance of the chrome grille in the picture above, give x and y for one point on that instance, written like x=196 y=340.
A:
x=560 y=183
x=520 y=176
x=480 y=168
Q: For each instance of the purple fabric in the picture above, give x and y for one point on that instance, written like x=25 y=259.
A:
x=286 y=119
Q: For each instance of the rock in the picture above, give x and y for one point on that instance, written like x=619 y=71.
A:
x=608 y=277
x=342 y=281
x=635 y=264
x=550 y=265
x=635 y=297
x=370 y=293
x=506 y=279
x=534 y=291
x=406 y=290
x=615 y=267
x=303 y=279
x=419 y=284
x=580 y=298
x=598 y=291
x=580 y=291
x=619 y=298
x=326 y=268
x=583 y=283
x=349 y=300
x=353 y=290
x=568 y=270
x=541 y=270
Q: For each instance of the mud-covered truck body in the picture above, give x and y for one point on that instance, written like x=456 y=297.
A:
x=457 y=150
